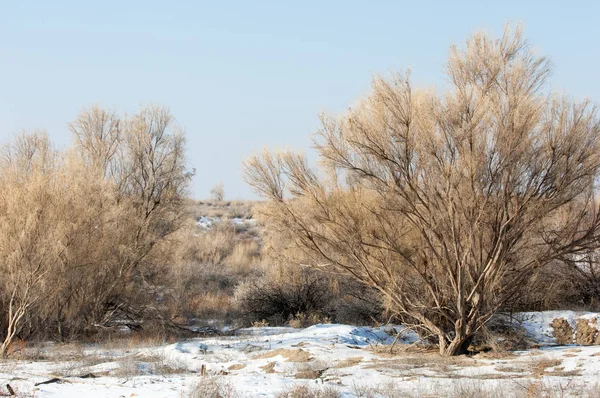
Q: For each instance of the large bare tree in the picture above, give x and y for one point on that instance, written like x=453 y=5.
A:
x=88 y=235
x=445 y=202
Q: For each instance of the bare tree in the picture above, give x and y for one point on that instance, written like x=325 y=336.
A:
x=86 y=234
x=143 y=161
x=30 y=243
x=446 y=203
x=98 y=134
x=217 y=193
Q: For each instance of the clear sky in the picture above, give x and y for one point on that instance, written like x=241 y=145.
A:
x=243 y=75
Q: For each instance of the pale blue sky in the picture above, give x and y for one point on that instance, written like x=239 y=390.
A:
x=243 y=75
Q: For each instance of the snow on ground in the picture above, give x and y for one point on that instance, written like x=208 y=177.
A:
x=261 y=362
x=206 y=223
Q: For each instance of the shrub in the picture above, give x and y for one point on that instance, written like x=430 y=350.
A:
x=213 y=387
x=281 y=294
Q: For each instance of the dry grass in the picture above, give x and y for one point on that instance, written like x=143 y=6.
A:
x=211 y=305
x=269 y=368
x=539 y=367
x=132 y=366
x=302 y=320
x=388 y=390
x=500 y=354
x=466 y=388
x=310 y=370
x=304 y=391
x=568 y=388
x=244 y=256
x=298 y=355
x=308 y=374
x=348 y=362
x=150 y=337
x=224 y=209
x=19 y=393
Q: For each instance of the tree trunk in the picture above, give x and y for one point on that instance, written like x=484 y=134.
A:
x=458 y=346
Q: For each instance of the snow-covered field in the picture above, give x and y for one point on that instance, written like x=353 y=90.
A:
x=261 y=362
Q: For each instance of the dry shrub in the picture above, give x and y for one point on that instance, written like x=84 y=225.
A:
x=355 y=303
x=213 y=387
x=501 y=335
x=303 y=297
x=305 y=391
x=282 y=293
x=562 y=331
x=301 y=320
x=128 y=367
x=217 y=193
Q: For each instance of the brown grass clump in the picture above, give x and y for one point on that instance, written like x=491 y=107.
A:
x=237 y=366
x=298 y=355
x=269 y=368
x=563 y=332
x=302 y=320
x=213 y=387
x=309 y=374
x=348 y=362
